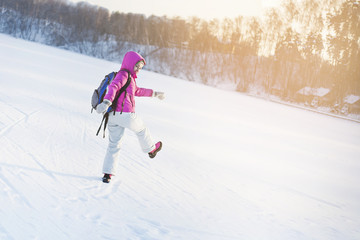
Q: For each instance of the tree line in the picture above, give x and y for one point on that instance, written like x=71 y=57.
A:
x=301 y=44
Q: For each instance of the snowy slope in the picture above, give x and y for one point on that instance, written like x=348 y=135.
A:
x=232 y=166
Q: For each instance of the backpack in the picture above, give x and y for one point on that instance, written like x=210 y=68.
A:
x=100 y=92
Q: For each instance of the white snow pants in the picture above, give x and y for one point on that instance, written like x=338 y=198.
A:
x=116 y=125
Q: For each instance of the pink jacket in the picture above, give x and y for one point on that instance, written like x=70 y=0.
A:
x=126 y=102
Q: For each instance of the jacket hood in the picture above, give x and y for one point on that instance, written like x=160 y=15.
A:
x=129 y=61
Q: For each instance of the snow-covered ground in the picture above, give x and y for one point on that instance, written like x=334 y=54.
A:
x=232 y=166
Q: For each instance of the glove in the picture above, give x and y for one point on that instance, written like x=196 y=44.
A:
x=103 y=107
x=159 y=95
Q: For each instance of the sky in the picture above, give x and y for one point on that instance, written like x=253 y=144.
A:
x=205 y=9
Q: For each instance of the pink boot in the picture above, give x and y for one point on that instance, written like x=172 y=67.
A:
x=158 y=146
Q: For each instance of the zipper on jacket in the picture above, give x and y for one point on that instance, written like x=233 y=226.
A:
x=131 y=100
x=122 y=104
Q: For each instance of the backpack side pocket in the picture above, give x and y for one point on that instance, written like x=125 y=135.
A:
x=95 y=99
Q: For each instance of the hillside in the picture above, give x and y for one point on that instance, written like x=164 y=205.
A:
x=232 y=166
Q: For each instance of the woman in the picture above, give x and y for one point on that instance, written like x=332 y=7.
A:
x=125 y=116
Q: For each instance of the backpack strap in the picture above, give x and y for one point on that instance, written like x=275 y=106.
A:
x=123 y=89
x=106 y=118
x=114 y=103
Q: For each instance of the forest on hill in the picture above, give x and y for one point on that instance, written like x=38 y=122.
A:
x=305 y=51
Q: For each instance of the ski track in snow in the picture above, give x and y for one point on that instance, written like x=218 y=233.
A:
x=232 y=166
